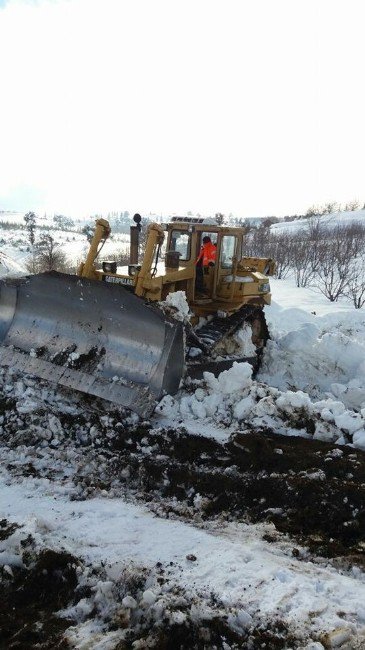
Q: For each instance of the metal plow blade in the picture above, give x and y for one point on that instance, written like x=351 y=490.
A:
x=90 y=336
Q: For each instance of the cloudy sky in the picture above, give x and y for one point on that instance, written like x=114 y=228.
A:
x=254 y=107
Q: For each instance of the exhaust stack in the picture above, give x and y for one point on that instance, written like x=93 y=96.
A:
x=134 y=236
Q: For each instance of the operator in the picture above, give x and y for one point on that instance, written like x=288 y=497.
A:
x=206 y=258
x=207 y=253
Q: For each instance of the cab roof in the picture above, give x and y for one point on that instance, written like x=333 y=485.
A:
x=191 y=224
x=196 y=220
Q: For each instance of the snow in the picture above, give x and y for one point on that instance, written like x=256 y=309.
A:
x=177 y=303
x=314 y=363
x=319 y=347
x=229 y=381
x=116 y=533
x=8 y=266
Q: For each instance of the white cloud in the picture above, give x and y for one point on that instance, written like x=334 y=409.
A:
x=234 y=105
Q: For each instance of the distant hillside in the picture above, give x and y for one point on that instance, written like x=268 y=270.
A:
x=12 y=217
x=329 y=220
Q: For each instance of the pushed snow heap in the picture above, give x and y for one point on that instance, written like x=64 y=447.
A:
x=234 y=399
x=177 y=301
x=323 y=356
x=229 y=381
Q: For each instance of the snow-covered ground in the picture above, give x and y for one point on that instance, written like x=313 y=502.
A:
x=8 y=266
x=311 y=384
x=251 y=578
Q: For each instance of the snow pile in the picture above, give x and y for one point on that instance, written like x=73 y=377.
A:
x=177 y=305
x=234 y=399
x=238 y=344
x=324 y=356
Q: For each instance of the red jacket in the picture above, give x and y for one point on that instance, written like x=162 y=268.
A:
x=207 y=253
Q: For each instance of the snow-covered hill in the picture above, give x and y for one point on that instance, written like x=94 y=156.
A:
x=327 y=220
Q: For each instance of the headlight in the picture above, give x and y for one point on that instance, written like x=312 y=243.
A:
x=265 y=287
x=133 y=269
x=109 y=267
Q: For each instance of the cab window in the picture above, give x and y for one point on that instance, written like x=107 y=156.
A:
x=228 y=250
x=181 y=242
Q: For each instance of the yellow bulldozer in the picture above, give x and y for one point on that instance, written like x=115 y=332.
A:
x=106 y=331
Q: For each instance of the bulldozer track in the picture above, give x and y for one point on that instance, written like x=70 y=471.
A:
x=217 y=330
x=213 y=332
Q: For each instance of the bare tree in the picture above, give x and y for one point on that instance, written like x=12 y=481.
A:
x=302 y=261
x=354 y=233
x=257 y=242
x=353 y=205
x=314 y=211
x=326 y=208
x=335 y=264
x=304 y=249
x=330 y=207
x=143 y=235
x=280 y=250
x=356 y=285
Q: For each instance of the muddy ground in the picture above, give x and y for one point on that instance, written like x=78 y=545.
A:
x=313 y=492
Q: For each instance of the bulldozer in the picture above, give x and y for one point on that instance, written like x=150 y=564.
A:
x=107 y=330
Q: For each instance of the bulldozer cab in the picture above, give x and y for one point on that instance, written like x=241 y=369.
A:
x=209 y=281
x=186 y=238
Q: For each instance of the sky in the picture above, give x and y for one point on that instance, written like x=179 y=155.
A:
x=250 y=107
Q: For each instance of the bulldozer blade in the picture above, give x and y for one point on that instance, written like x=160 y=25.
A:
x=90 y=336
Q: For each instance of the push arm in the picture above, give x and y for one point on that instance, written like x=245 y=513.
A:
x=101 y=234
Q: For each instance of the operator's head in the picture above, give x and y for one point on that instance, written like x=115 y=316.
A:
x=206 y=239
